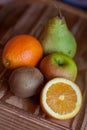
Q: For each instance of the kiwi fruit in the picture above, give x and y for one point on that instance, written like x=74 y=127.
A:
x=25 y=82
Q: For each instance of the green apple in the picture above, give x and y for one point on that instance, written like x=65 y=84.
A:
x=58 y=65
x=56 y=37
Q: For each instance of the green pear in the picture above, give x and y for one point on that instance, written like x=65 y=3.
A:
x=56 y=37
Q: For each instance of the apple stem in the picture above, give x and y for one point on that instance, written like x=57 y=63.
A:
x=60 y=63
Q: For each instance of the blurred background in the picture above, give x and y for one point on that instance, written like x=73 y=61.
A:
x=78 y=3
x=82 y=4
x=4 y=1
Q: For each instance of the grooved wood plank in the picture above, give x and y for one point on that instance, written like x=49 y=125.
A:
x=15 y=116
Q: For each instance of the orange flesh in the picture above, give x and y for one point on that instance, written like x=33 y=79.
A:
x=61 y=98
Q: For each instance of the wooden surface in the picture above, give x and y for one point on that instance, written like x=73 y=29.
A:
x=30 y=17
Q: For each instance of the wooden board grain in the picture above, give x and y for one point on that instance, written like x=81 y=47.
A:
x=30 y=17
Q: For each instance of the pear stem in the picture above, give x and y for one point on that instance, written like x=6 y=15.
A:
x=60 y=14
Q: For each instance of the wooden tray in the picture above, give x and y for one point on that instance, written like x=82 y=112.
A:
x=30 y=17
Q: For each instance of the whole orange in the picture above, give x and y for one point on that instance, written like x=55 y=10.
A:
x=22 y=50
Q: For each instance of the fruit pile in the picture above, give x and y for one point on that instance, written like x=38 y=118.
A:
x=46 y=67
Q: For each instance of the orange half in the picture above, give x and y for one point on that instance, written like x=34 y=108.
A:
x=61 y=98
